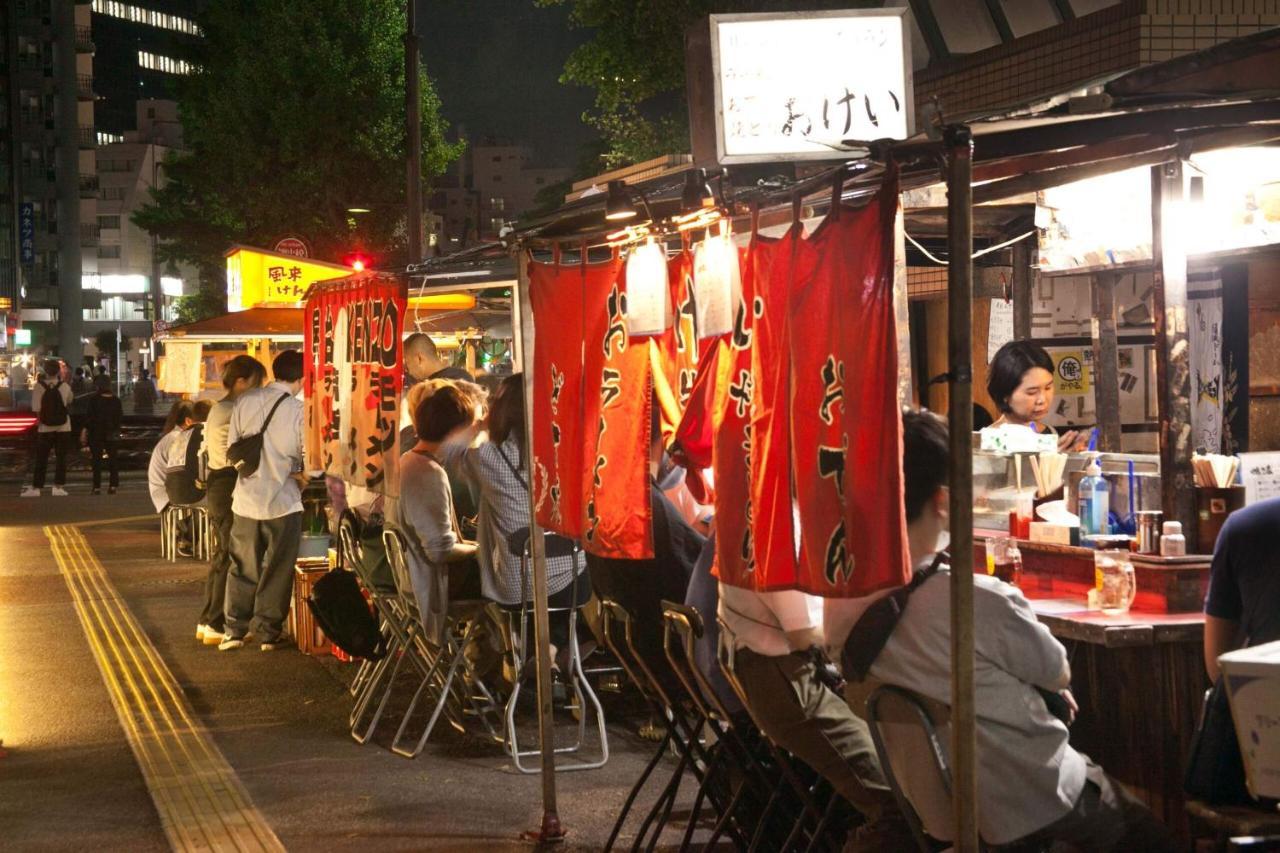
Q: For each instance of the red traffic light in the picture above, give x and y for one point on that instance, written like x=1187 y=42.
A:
x=358 y=261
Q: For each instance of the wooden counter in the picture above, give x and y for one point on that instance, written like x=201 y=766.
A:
x=1139 y=680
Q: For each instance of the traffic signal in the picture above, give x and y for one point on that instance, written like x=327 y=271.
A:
x=358 y=261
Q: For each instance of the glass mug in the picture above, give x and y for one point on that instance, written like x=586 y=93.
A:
x=1004 y=560
x=1113 y=574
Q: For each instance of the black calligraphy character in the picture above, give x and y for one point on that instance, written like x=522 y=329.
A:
x=687 y=378
x=557 y=385
x=838 y=565
x=790 y=126
x=897 y=105
x=833 y=388
x=295 y=273
x=875 y=119
x=685 y=326
x=555 y=502
x=593 y=521
x=610 y=390
x=601 y=464
x=741 y=329
x=617 y=307
x=555 y=434
x=831 y=466
x=847 y=103
x=275 y=273
x=740 y=393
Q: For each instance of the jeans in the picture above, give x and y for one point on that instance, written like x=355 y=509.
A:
x=59 y=443
x=260 y=579
x=221 y=484
x=108 y=448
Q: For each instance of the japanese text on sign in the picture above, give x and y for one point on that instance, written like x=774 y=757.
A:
x=27 y=231
x=796 y=86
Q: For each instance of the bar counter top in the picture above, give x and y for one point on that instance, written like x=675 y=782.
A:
x=1069 y=619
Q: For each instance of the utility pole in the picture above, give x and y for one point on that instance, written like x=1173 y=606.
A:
x=413 y=134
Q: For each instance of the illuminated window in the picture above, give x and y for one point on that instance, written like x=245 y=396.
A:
x=164 y=64
x=139 y=15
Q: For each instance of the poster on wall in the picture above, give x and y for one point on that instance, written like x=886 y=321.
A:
x=354 y=375
x=1204 y=334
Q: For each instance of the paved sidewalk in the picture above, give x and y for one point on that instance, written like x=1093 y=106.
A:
x=70 y=780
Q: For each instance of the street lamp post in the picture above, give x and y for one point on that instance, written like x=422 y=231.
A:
x=413 y=135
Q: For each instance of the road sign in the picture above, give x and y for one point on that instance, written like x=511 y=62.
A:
x=295 y=246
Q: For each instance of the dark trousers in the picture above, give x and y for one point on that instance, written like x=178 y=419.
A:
x=1106 y=817
x=105 y=453
x=260 y=579
x=221 y=484
x=809 y=720
x=59 y=443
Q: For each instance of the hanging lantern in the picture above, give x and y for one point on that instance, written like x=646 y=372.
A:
x=648 y=296
x=717 y=283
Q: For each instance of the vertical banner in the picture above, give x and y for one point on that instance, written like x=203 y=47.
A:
x=1204 y=334
x=354 y=374
x=183 y=368
x=676 y=351
x=556 y=294
x=616 y=398
x=846 y=424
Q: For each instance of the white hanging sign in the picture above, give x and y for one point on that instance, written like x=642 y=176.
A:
x=648 y=293
x=716 y=279
x=797 y=85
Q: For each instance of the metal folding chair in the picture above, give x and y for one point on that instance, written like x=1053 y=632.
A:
x=791 y=789
x=449 y=683
x=170 y=527
x=556 y=546
x=904 y=729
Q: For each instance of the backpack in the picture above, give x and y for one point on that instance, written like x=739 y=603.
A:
x=183 y=481
x=53 y=409
x=245 y=453
x=340 y=609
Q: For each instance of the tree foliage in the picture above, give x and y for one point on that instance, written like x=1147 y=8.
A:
x=635 y=62
x=295 y=114
x=105 y=342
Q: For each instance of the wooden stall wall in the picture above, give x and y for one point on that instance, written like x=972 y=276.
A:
x=1264 y=354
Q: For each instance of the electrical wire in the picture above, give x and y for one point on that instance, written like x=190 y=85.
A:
x=1006 y=244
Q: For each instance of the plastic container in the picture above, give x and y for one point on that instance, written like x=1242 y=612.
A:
x=1094 y=502
x=1172 y=542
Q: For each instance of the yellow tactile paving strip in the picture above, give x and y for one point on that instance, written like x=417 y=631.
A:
x=201 y=802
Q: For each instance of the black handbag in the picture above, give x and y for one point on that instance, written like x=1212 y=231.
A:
x=340 y=609
x=1215 y=768
x=245 y=454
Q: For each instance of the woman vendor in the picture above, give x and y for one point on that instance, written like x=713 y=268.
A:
x=1020 y=381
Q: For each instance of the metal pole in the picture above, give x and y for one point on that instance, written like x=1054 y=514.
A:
x=959 y=172
x=521 y=308
x=901 y=308
x=1106 y=360
x=1173 y=354
x=413 y=135
x=119 y=377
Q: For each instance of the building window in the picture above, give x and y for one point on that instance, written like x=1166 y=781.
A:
x=163 y=64
x=109 y=223
x=113 y=193
x=497 y=203
x=109 y=252
x=138 y=15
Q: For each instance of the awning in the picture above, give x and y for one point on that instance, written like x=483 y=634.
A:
x=275 y=324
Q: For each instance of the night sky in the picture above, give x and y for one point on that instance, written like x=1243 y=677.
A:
x=496 y=65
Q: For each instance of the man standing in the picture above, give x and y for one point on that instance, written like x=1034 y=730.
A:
x=267 y=505
x=422 y=361
x=51 y=400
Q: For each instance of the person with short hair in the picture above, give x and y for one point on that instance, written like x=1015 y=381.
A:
x=1020 y=380
x=239 y=375
x=102 y=433
x=267 y=504
x=179 y=413
x=441 y=563
x=144 y=393
x=1034 y=789
x=53 y=432
x=422 y=360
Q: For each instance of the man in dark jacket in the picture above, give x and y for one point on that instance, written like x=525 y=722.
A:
x=102 y=432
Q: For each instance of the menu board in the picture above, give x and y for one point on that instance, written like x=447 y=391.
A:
x=1260 y=473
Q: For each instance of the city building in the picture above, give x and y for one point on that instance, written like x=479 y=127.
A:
x=142 y=47
x=49 y=184
x=126 y=270
x=493 y=183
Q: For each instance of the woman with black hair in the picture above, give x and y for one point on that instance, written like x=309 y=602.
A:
x=1020 y=382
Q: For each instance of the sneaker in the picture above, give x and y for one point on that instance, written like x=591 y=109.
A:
x=201 y=630
x=30 y=492
x=59 y=492
x=230 y=644
x=272 y=645
x=213 y=637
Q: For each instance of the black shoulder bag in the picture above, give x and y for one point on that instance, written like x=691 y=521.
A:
x=245 y=453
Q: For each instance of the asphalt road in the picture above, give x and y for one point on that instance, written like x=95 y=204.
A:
x=70 y=781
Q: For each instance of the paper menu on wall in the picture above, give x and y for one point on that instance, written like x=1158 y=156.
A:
x=1260 y=473
x=1000 y=327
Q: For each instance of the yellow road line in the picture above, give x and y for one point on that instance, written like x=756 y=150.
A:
x=201 y=802
x=122 y=520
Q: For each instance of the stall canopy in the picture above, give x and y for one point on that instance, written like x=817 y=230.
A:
x=276 y=324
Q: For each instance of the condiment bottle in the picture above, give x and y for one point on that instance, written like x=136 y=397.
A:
x=1094 y=501
x=1172 y=542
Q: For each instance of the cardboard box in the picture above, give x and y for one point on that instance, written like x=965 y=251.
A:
x=1253 y=685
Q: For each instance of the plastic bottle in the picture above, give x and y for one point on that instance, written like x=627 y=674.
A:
x=1172 y=542
x=1093 y=501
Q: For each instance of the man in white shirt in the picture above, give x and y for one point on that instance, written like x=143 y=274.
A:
x=53 y=433
x=791 y=695
x=267 y=505
x=1033 y=788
